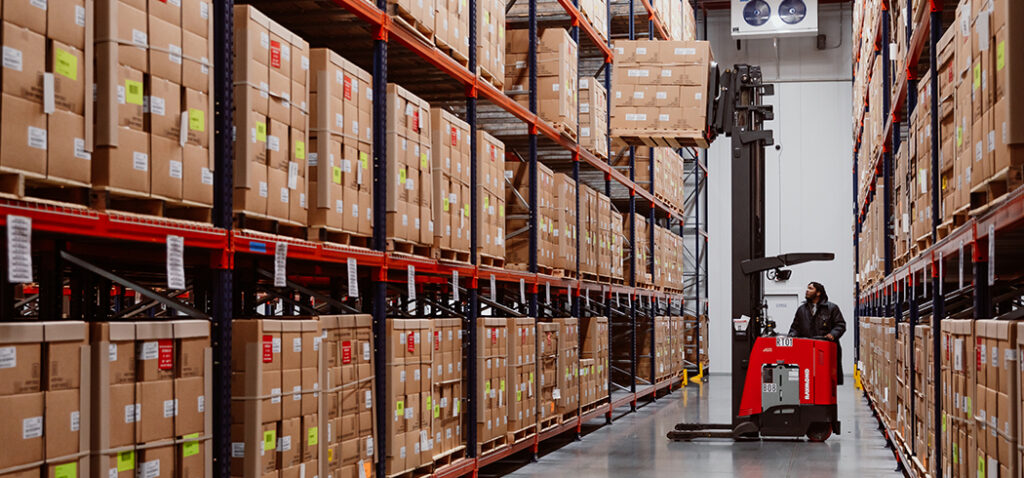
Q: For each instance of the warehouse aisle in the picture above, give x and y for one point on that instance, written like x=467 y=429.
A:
x=635 y=445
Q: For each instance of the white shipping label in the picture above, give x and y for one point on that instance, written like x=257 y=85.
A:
x=140 y=38
x=547 y=293
x=157 y=105
x=175 y=263
x=175 y=169
x=264 y=190
x=280 y=261
x=19 y=250
x=112 y=353
x=411 y=282
x=206 y=176
x=149 y=350
x=273 y=143
x=80 y=151
x=129 y=413
x=36 y=137
x=169 y=408
x=201 y=404
x=140 y=161
x=8 y=357
x=75 y=421
x=494 y=288
x=284 y=195
x=12 y=58
x=293 y=174
x=237 y=449
x=31 y=427
x=353 y=282
x=455 y=286
x=296 y=344
x=151 y=469
x=275 y=395
x=79 y=15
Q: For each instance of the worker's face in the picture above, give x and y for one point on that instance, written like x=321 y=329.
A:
x=811 y=293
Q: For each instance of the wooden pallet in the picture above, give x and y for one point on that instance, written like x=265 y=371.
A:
x=451 y=52
x=245 y=220
x=924 y=242
x=993 y=191
x=453 y=255
x=590 y=276
x=945 y=228
x=338 y=236
x=518 y=266
x=491 y=261
x=618 y=280
x=104 y=198
x=498 y=82
x=449 y=457
x=658 y=138
x=565 y=130
x=585 y=409
x=550 y=422
x=563 y=273
x=493 y=445
x=566 y=416
x=419 y=471
x=405 y=247
x=28 y=187
x=405 y=18
x=521 y=435
x=900 y=260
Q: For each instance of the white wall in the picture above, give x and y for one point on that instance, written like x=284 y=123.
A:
x=809 y=197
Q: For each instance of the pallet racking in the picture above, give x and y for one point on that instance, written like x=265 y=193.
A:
x=111 y=265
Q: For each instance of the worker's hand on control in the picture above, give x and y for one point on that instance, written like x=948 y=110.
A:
x=830 y=337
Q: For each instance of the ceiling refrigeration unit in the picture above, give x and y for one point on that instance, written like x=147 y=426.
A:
x=774 y=18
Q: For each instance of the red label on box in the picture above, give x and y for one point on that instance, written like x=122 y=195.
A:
x=494 y=336
x=494 y=153
x=455 y=140
x=348 y=88
x=410 y=343
x=268 y=348
x=165 y=356
x=275 y=54
x=416 y=121
x=346 y=352
x=522 y=336
x=437 y=340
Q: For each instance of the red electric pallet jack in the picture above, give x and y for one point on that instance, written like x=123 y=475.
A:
x=781 y=386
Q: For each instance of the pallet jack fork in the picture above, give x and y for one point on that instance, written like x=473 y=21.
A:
x=772 y=393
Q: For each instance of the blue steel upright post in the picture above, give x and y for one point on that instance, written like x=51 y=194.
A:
x=380 y=185
x=937 y=296
x=469 y=325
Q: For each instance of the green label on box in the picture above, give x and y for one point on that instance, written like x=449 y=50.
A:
x=428 y=404
x=956 y=454
x=959 y=136
x=270 y=440
x=423 y=160
x=444 y=202
x=437 y=410
x=981 y=467
x=336 y=175
x=501 y=210
x=401 y=176
x=65 y=63
x=196 y=120
x=502 y=385
x=67 y=470
x=969 y=411
x=977 y=75
x=486 y=202
x=519 y=395
x=190 y=448
x=400 y=408
x=313 y=436
x=1001 y=55
x=126 y=461
x=261 y=131
x=943 y=422
x=133 y=92
x=531 y=377
x=465 y=210
x=300 y=150
x=487 y=387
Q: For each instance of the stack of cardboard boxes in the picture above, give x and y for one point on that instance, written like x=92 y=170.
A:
x=153 y=100
x=668 y=259
x=660 y=90
x=565 y=231
x=642 y=250
x=490 y=40
x=409 y=389
x=492 y=369
x=276 y=408
x=593 y=360
x=568 y=401
x=958 y=378
x=588 y=251
x=594 y=117
x=996 y=398
x=451 y=26
x=656 y=357
x=695 y=333
x=450 y=171
x=45 y=394
x=447 y=401
x=557 y=95
x=548 y=355
x=152 y=381
x=924 y=421
x=669 y=170
x=46 y=123
x=596 y=12
x=517 y=247
x=490 y=196
x=522 y=363
x=616 y=246
x=410 y=189
x=271 y=97
x=340 y=170
x=603 y=234
x=345 y=444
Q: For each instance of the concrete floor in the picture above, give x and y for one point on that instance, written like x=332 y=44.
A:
x=635 y=445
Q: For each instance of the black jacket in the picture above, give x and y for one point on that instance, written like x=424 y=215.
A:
x=827 y=320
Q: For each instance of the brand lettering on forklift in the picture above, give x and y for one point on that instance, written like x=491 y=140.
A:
x=807 y=384
x=783 y=341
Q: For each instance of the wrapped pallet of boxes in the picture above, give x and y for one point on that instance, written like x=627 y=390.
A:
x=154 y=97
x=47 y=417
x=276 y=368
x=47 y=125
x=451 y=27
x=547 y=383
x=594 y=339
x=567 y=396
x=491 y=198
x=616 y=243
x=447 y=403
x=997 y=383
x=450 y=172
x=522 y=363
x=660 y=92
x=959 y=359
x=340 y=170
x=603 y=213
x=490 y=41
x=345 y=443
x=557 y=95
x=409 y=192
x=565 y=223
x=588 y=229
x=272 y=119
x=408 y=393
x=492 y=368
x=152 y=383
x=594 y=117
x=596 y=11
x=517 y=245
